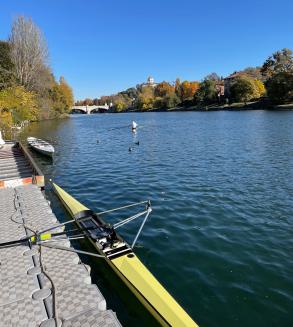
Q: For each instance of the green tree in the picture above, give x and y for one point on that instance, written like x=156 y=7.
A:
x=170 y=101
x=243 y=89
x=131 y=93
x=280 y=87
x=207 y=92
x=7 y=78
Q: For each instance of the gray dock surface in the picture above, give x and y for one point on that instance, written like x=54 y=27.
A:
x=26 y=292
x=13 y=164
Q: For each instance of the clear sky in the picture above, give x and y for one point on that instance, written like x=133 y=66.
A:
x=105 y=46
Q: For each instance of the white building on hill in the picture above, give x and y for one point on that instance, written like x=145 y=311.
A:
x=150 y=82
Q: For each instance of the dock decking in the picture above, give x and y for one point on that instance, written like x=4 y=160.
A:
x=17 y=167
x=26 y=292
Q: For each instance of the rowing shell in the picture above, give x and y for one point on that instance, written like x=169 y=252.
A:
x=126 y=264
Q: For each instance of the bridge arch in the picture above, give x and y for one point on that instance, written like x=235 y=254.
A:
x=90 y=109
x=77 y=111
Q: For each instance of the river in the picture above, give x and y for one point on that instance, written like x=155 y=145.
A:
x=220 y=237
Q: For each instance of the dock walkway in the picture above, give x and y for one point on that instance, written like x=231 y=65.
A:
x=26 y=292
x=18 y=167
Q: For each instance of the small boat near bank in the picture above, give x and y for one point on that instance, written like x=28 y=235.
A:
x=41 y=146
x=121 y=258
x=2 y=142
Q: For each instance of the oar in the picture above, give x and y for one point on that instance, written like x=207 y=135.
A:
x=43 y=236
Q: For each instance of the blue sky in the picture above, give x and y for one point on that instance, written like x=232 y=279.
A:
x=105 y=46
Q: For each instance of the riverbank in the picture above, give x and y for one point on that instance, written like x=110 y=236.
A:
x=11 y=131
x=252 y=105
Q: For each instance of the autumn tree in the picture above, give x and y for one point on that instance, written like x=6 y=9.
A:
x=66 y=90
x=163 y=89
x=146 y=98
x=278 y=62
x=259 y=87
x=20 y=103
x=121 y=102
x=187 y=90
x=28 y=88
x=178 y=87
x=6 y=121
x=62 y=97
x=253 y=72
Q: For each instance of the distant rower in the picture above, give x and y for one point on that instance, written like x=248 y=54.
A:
x=134 y=126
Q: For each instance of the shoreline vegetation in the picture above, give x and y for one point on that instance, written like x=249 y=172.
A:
x=237 y=106
x=267 y=87
x=28 y=89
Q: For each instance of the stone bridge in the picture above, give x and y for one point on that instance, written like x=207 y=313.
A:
x=90 y=109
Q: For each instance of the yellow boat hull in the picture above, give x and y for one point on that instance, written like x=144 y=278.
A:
x=138 y=278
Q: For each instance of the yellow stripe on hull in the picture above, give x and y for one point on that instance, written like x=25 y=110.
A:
x=139 y=279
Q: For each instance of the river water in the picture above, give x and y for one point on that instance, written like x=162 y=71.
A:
x=220 y=237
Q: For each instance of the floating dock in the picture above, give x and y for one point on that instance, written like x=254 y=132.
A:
x=17 y=167
x=40 y=285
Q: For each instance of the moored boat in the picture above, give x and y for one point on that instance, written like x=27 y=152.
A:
x=41 y=146
x=121 y=258
x=2 y=142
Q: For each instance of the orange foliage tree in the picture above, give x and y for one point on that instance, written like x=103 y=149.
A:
x=188 y=90
x=163 y=89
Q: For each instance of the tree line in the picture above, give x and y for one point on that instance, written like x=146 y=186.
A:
x=28 y=88
x=272 y=81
